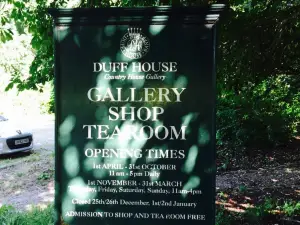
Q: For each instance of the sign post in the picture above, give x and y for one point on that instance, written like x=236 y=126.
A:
x=135 y=115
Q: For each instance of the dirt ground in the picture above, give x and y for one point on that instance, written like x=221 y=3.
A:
x=280 y=177
x=30 y=182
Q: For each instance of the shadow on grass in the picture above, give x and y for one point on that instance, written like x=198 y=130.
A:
x=256 y=208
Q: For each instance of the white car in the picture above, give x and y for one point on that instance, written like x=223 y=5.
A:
x=12 y=138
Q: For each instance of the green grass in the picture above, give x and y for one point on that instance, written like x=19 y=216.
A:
x=268 y=212
x=37 y=216
x=34 y=157
x=16 y=159
x=261 y=214
x=46 y=175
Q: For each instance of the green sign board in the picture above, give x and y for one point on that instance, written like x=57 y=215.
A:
x=135 y=115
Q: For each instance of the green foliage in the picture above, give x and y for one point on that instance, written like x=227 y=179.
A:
x=223 y=217
x=35 y=18
x=255 y=44
x=258 y=214
x=290 y=208
x=268 y=212
x=256 y=105
x=270 y=207
x=6 y=213
x=6 y=33
x=48 y=107
x=46 y=175
x=37 y=216
x=16 y=57
x=51 y=103
x=262 y=114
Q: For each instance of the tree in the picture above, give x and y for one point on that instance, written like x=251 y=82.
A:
x=34 y=17
x=259 y=44
x=5 y=32
x=266 y=44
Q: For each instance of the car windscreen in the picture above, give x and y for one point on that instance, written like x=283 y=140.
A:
x=2 y=118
